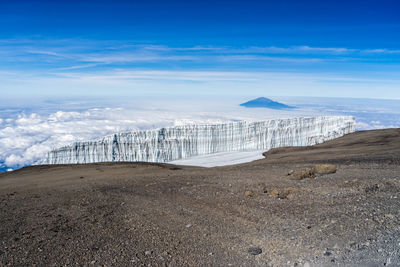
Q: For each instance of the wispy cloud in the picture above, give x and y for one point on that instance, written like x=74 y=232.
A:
x=157 y=75
x=381 y=51
x=130 y=82
x=209 y=76
x=82 y=66
x=41 y=52
x=263 y=58
x=72 y=54
x=293 y=50
x=70 y=64
x=334 y=50
x=135 y=57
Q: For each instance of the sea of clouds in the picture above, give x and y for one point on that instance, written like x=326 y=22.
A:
x=28 y=132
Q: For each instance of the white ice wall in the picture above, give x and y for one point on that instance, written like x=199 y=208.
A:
x=172 y=143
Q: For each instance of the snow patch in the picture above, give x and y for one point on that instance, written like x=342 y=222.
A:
x=221 y=159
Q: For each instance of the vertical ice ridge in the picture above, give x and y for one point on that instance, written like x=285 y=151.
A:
x=172 y=143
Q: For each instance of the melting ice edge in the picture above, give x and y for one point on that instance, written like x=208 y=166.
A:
x=179 y=142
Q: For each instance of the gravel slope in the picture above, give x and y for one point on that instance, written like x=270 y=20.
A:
x=140 y=214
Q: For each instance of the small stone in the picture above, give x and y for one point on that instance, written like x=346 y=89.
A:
x=371 y=188
x=274 y=193
x=165 y=253
x=147 y=252
x=389 y=216
x=188 y=225
x=290 y=172
x=328 y=253
x=248 y=193
x=285 y=193
x=254 y=250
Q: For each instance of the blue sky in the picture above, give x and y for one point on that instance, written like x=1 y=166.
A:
x=78 y=70
x=254 y=48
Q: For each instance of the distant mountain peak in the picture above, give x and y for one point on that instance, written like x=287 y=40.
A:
x=263 y=102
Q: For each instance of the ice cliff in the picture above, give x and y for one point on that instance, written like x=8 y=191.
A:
x=172 y=143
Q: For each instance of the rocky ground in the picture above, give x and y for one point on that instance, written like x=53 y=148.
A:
x=284 y=210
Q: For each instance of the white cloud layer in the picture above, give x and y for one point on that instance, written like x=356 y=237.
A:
x=25 y=138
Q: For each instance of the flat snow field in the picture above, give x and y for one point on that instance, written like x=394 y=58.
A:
x=221 y=159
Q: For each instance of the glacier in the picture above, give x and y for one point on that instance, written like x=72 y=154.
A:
x=181 y=142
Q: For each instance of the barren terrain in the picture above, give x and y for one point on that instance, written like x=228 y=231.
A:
x=142 y=214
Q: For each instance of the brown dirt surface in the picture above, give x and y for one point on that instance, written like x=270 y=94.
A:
x=142 y=214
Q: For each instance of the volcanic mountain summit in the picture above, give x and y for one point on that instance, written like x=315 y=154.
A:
x=263 y=102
